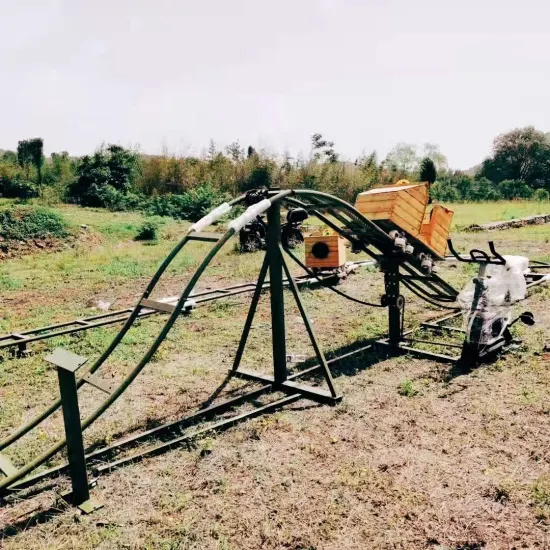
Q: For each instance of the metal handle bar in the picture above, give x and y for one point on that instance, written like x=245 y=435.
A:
x=478 y=256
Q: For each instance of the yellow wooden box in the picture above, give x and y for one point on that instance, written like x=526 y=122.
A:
x=325 y=251
x=435 y=229
x=402 y=205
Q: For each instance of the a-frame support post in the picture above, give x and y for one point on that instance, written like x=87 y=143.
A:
x=276 y=293
x=309 y=327
x=251 y=313
x=275 y=264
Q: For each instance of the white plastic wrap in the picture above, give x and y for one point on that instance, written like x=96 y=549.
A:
x=251 y=213
x=211 y=217
x=487 y=299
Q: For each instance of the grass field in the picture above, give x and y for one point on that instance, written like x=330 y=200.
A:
x=414 y=457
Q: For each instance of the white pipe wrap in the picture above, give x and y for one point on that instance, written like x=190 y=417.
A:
x=250 y=214
x=210 y=218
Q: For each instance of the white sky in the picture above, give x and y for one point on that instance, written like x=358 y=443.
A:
x=365 y=73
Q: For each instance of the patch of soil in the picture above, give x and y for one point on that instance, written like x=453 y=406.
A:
x=16 y=249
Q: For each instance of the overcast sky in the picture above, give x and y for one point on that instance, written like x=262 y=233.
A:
x=366 y=73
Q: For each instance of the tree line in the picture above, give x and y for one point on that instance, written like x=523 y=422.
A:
x=186 y=186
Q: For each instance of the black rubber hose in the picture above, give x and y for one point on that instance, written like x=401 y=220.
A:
x=426 y=299
x=339 y=292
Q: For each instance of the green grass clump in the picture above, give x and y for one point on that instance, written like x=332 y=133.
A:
x=540 y=494
x=147 y=231
x=407 y=389
x=22 y=223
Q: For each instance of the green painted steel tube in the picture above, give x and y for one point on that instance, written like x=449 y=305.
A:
x=129 y=377
x=251 y=313
x=382 y=234
x=38 y=461
x=309 y=327
x=115 y=342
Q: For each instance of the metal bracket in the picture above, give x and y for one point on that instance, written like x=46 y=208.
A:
x=6 y=466
x=67 y=360
x=86 y=507
x=166 y=307
x=98 y=383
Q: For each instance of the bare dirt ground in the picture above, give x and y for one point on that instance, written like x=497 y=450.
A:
x=416 y=456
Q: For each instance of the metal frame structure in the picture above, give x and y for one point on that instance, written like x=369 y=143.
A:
x=399 y=269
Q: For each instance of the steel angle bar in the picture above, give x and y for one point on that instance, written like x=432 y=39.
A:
x=206 y=413
x=115 y=317
x=221 y=425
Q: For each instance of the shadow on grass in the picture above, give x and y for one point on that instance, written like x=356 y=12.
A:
x=347 y=360
x=30 y=520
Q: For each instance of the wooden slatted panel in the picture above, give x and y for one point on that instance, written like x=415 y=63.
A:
x=337 y=251
x=376 y=197
x=439 y=248
x=412 y=201
x=437 y=238
x=435 y=233
x=404 y=206
x=404 y=224
x=434 y=229
x=410 y=215
x=420 y=192
x=377 y=215
x=375 y=206
x=443 y=216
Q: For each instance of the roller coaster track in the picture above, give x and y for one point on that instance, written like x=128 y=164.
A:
x=337 y=214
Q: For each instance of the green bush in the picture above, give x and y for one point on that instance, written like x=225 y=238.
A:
x=191 y=206
x=148 y=231
x=118 y=201
x=20 y=189
x=514 y=189
x=541 y=195
x=21 y=223
x=112 y=168
x=442 y=192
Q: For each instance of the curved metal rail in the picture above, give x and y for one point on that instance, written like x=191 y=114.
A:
x=130 y=377
x=364 y=234
x=342 y=217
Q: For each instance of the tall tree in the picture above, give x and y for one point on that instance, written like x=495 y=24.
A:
x=36 y=151
x=428 y=171
x=402 y=158
x=522 y=155
x=431 y=151
x=322 y=147
x=23 y=156
x=30 y=152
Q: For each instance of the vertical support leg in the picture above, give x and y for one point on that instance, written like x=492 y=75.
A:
x=251 y=313
x=276 y=292
x=75 y=445
x=73 y=430
x=391 y=281
x=318 y=352
x=472 y=341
